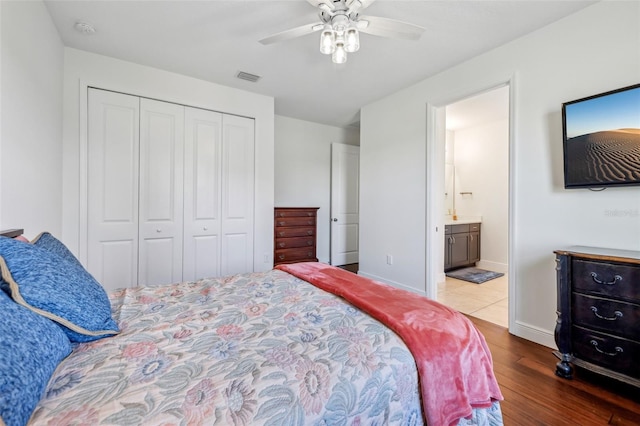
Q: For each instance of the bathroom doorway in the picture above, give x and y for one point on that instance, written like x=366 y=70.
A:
x=475 y=176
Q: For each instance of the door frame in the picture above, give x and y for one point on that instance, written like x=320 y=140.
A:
x=434 y=238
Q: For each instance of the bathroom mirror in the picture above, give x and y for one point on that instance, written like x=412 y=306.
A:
x=449 y=189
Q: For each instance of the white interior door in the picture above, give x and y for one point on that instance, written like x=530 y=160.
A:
x=237 y=194
x=345 y=188
x=202 y=194
x=161 y=192
x=112 y=188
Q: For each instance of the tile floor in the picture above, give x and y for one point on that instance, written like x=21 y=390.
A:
x=487 y=301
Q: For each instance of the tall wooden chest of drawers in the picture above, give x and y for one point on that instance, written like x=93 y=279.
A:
x=294 y=235
x=598 y=326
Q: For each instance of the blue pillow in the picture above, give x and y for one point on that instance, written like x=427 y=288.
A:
x=31 y=347
x=48 y=242
x=57 y=288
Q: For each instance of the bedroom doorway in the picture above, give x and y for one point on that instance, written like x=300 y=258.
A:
x=470 y=168
x=345 y=211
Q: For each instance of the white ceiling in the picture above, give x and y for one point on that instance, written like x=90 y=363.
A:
x=214 y=40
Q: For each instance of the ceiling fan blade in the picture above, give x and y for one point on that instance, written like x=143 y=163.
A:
x=385 y=27
x=353 y=3
x=292 y=33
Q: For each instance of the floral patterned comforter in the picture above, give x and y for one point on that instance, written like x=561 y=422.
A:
x=262 y=348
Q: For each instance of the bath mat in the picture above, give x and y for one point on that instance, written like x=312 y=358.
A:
x=474 y=275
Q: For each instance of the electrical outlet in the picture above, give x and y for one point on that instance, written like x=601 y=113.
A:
x=266 y=258
x=389 y=259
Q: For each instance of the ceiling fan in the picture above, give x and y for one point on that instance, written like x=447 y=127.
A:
x=341 y=23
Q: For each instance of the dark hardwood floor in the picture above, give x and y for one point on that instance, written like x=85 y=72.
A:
x=534 y=395
x=351 y=267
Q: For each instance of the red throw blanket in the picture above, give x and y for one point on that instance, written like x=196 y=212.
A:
x=453 y=359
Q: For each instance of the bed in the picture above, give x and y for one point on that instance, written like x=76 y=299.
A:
x=301 y=344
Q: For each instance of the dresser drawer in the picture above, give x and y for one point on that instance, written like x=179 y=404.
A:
x=457 y=229
x=607 y=351
x=294 y=213
x=610 y=316
x=295 y=232
x=295 y=255
x=295 y=221
x=282 y=243
x=607 y=279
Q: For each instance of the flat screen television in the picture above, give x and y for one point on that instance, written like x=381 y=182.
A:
x=602 y=139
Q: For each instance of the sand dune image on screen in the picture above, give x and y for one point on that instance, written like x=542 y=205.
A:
x=604 y=157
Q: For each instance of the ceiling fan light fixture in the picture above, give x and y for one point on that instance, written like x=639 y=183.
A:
x=352 y=40
x=340 y=54
x=327 y=40
x=340 y=27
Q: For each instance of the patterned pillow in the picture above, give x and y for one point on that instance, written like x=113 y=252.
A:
x=57 y=288
x=31 y=347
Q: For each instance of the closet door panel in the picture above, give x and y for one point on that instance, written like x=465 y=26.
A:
x=202 y=193
x=237 y=194
x=206 y=257
x=152 y=268
x=161 y=192
x=112 y=188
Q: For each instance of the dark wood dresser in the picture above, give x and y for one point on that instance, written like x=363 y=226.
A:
x=294 y=235
x=598 y=326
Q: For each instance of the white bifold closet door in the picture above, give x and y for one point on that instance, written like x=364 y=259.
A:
x=161 y=192
x=218 y=194
x=170 y=191
x=113 y=169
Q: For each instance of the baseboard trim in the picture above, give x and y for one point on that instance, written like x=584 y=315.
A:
x=391 y=283
x=534 y=334
x=493 y=266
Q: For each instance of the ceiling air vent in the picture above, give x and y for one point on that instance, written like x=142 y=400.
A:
x=249 y=77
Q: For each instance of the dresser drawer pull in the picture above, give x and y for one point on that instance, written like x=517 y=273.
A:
x=309 y=243
x=617 y=314
x=281 y=257
x=617 y=348
x=282 y=223
x=309 y=232
x=281 y=234
x=281 y=245
x=615 y=278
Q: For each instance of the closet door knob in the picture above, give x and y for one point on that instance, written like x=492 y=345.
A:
x=205 y=228
x=158 y=230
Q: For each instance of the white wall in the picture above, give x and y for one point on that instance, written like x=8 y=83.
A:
x=481 y=158
x=564 y=61
x=31 y=117
x=303 y=169
x=82 y=69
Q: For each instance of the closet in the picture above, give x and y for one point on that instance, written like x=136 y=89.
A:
x=170 y=191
